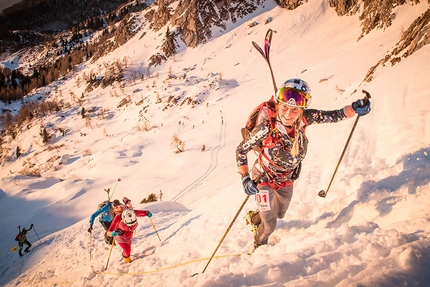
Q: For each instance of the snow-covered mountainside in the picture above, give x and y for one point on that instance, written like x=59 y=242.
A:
x=120 y=116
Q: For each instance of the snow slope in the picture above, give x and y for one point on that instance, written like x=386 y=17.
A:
x=372 y=229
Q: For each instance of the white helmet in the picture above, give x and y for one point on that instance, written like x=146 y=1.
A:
x=294 y=92
x=129 y=217
x=297 y=84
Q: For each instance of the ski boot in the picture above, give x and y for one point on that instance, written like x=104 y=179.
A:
x=248 y=219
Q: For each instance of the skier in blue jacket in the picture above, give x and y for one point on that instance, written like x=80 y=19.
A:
x=106 y=213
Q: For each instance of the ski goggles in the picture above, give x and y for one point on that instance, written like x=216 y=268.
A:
x=293 y=97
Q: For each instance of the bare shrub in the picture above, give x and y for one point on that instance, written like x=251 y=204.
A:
x=50 y=162
x=73 y=176
x=151 y=198
x=56 y=147
x=46 y=137
x=177 y=144
x=30 y=171
x=147 y=126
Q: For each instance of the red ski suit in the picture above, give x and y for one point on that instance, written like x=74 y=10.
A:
x=125 y=232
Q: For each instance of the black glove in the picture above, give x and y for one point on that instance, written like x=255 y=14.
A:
x=361 y=107
x=31 y=225
x=249 y=186
x=90 y=229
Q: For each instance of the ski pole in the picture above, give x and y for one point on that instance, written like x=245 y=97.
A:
x=113 y=191
x=36 y=232
x=155 y=228
x=91 y=244
x=323 y=193
x=110 y=252
x=225 y=234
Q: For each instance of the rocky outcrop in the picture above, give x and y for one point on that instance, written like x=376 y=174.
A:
x=33 y=22
x=36 y=14
x=170 y=44
x=188 y=21
x=414 y=38
x=290 y=4
x=125 y=31
x=379 y=14
x=194 y=19
x=159 y=14
x=344 y=7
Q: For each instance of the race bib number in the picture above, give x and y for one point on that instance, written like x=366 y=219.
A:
x=262 y=200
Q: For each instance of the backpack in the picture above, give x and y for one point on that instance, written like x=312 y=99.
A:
x=102 y=204
x=18 y=237
x=266 y=109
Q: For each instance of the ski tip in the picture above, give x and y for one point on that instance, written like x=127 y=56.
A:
x=195 y=274
x=256 y=45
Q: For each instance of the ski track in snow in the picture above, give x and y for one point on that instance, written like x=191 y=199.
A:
x=213 y=165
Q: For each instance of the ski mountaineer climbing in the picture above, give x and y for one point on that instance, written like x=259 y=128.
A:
x=281 y=136
x=22 y=239
x=106 y=213
x=122 y=228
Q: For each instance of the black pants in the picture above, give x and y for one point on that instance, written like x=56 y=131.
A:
x=21 y=245
x=108 y=239
x=105 y=224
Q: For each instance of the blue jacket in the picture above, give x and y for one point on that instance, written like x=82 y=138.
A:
x=104 y=212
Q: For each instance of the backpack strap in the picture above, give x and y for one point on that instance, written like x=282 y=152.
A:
x=270 y=108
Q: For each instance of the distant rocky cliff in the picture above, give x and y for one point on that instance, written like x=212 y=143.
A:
x=194 y=19
x=380 y=15
x=33 y=22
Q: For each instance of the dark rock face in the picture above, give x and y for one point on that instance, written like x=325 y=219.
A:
x=416 y=36
x=344 y=7
x=289 y=4
x=36 y=14
x=36 y=22
x=31 y=22
x=378 y=14
x=194 y=19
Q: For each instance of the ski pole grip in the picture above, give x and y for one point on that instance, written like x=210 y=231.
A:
x=367 y=96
